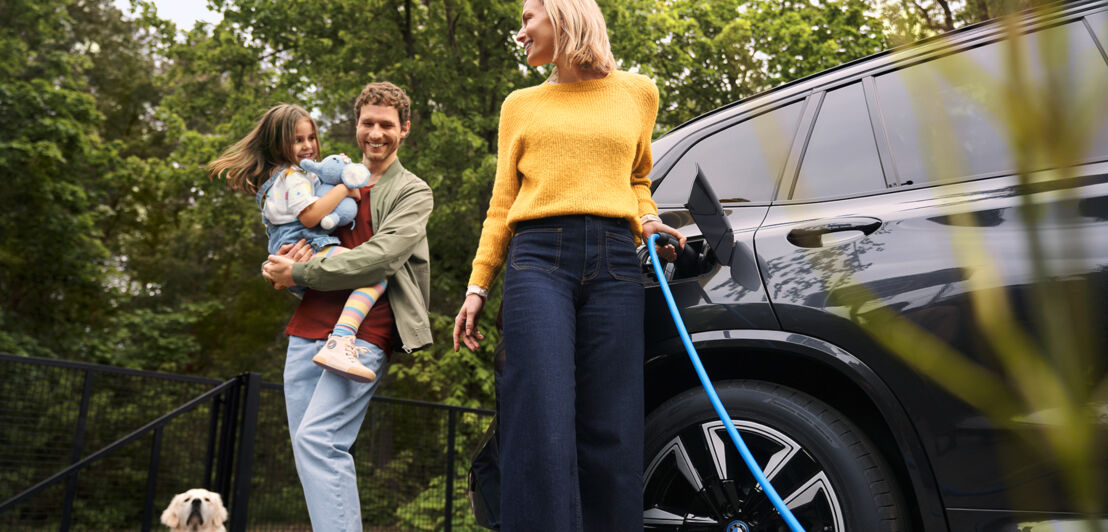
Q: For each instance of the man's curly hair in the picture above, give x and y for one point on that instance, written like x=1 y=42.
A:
x=386 y=94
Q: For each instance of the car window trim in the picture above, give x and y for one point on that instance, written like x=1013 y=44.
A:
x=1092 y=31
x=800 y=144
x=880 y=133
x=948 y=182
x=682 y=147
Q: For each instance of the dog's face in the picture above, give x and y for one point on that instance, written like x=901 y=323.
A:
x=195 y=510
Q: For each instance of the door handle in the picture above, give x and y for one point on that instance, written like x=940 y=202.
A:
x=823 y=233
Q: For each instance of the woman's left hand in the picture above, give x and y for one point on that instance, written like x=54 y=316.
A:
x=667 y=252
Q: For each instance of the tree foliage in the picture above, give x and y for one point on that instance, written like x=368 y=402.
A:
x=118 y=249
x=706 y=54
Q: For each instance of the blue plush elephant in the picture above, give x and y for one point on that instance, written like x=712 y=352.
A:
x=332 y=170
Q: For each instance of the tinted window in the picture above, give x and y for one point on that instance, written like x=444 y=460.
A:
x=742 y=162
x=954 y=117
x=841 y=157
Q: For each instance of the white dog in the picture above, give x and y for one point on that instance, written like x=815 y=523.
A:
x=195 y=510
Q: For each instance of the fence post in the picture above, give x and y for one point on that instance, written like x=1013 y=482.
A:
x=244 y=462
x=152 y=481
x=452 y=426
x=213 y=431
x=78 y=450
x=227 y=430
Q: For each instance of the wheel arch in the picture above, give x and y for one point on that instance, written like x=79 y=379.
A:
x=817 y=368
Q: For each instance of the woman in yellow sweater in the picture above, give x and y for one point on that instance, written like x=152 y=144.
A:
x=570 y=198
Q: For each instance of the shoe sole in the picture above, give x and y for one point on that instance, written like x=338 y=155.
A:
x=352 y=376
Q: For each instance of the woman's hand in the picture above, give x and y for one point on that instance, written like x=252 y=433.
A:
x=667 y=252
x=465 y=325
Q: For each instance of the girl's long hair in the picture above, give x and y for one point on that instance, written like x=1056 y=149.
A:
x=248 y=162
x=580 y=35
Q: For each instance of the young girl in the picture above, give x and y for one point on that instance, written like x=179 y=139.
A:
x=292 y=211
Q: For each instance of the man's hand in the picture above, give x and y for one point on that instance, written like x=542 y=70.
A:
x=279 y=272
x=465 y=325
x=278 y=269
x=666 y=252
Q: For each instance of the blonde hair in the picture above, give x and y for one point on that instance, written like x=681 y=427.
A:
x=580 y=35
x=249 y=161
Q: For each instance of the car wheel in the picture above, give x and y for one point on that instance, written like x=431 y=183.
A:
x=829 y=475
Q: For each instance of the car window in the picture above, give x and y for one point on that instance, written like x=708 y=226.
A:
x=841 y=157
x=742 y=162
x=953 y=117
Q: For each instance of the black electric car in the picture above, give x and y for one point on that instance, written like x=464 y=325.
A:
x=862 y=286
x=878 y=259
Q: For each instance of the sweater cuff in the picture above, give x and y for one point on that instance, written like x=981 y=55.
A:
x=300 y=274
x=480 y=277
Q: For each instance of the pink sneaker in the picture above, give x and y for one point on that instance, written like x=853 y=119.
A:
x=340 y=356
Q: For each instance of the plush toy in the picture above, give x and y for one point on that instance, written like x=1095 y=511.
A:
x=332 y=170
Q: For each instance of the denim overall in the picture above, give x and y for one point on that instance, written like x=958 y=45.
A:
x=291 y=232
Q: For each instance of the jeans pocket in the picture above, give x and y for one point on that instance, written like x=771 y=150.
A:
x=539 y=248
x=623 y=261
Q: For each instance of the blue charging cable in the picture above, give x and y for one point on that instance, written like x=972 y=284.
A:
x=794 y=525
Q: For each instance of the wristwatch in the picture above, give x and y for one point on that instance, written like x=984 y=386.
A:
x=474 y=289
x=649 y=218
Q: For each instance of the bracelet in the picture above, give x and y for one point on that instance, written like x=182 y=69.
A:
x=474 y=289
x=649 y=218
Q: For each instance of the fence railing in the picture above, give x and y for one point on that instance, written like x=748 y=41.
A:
x=91 y=447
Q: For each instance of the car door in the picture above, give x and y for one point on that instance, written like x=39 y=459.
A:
x=922 y=230
x=742 y=158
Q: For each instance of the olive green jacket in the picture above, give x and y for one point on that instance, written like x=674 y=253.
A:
x=399 y=205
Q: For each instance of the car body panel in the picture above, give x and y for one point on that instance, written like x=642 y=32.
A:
x=916 y=264
x=715 y=299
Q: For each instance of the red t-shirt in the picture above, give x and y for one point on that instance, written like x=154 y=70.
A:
x=317 y=313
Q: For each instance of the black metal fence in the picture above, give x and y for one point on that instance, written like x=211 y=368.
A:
x=89 y=447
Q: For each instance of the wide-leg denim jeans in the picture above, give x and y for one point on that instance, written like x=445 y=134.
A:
x=325 y=412
x=572 y=403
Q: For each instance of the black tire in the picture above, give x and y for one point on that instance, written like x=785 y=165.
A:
x=825 y=469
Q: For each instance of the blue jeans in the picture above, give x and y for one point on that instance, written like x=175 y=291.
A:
x=325 y=413
x=572 y=403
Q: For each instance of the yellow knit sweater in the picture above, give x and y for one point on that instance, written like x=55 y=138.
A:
x=572 y=148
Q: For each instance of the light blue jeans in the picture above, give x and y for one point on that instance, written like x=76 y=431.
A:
x=325 y=413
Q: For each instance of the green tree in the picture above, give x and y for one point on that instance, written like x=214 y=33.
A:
x=52 y=259
x=707 y=54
